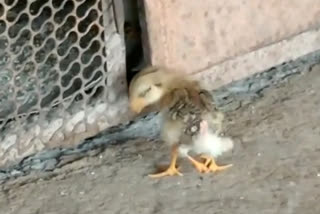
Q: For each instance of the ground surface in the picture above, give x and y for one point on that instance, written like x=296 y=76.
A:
x=276 y=168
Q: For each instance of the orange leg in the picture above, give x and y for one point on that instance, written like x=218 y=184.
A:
x=172 y=170
x=209 y=162
x=201 y=167
x=211 y=165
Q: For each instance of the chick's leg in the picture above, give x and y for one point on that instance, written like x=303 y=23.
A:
x=211 y=165
x=201 y=167
x=209 y=162
x=172 y=170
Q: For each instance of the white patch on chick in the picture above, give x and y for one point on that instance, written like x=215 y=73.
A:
x=207 y=143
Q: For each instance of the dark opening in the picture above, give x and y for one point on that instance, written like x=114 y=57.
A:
x=133 y=41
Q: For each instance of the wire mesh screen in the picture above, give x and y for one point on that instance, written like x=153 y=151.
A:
x=53 y=67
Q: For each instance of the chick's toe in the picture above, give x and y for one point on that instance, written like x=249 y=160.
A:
x=211 y=164
x=172 y=170
x=201 y=167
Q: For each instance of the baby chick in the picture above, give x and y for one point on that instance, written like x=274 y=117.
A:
x=190 y=121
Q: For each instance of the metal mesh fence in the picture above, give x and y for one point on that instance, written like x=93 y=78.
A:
x=53 y=67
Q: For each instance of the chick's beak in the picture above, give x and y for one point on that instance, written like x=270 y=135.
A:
x=137 y=105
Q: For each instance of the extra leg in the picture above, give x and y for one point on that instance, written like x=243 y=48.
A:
x=172 y=170
x=201 y=167
x=210 y=163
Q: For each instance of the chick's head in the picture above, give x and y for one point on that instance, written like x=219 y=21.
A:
x=148 y=87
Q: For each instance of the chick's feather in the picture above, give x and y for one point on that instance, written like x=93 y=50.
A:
x=183 y=105
x=184 y=109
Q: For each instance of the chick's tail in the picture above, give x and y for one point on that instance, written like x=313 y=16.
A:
x=214 y=144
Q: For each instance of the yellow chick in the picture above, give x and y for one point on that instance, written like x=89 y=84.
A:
x=190 y=121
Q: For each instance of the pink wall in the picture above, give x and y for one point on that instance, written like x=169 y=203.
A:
x=197 y=35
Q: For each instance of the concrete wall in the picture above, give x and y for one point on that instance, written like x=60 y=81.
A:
x=221 y=41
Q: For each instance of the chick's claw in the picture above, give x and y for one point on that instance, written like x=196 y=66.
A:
x=214 y=167
x=211 y=165
x=201 y=167
x=171 y=171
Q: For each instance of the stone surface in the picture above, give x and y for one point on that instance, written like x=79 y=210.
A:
x=51 y=129
x=72 y=122
x=80 y=128
x=9 y=141
x=95 y=112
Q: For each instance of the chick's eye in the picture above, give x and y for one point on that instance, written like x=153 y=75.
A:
x=142 y=94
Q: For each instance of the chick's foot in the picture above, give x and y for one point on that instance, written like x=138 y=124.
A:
x=201 y=167
x=172 y=170
x=211 y=165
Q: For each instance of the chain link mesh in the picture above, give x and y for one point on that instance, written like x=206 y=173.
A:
x=53 y=64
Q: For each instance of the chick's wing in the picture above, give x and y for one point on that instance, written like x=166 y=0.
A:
x=185 y=107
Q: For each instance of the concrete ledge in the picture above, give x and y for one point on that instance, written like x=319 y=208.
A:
x=262 y=59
